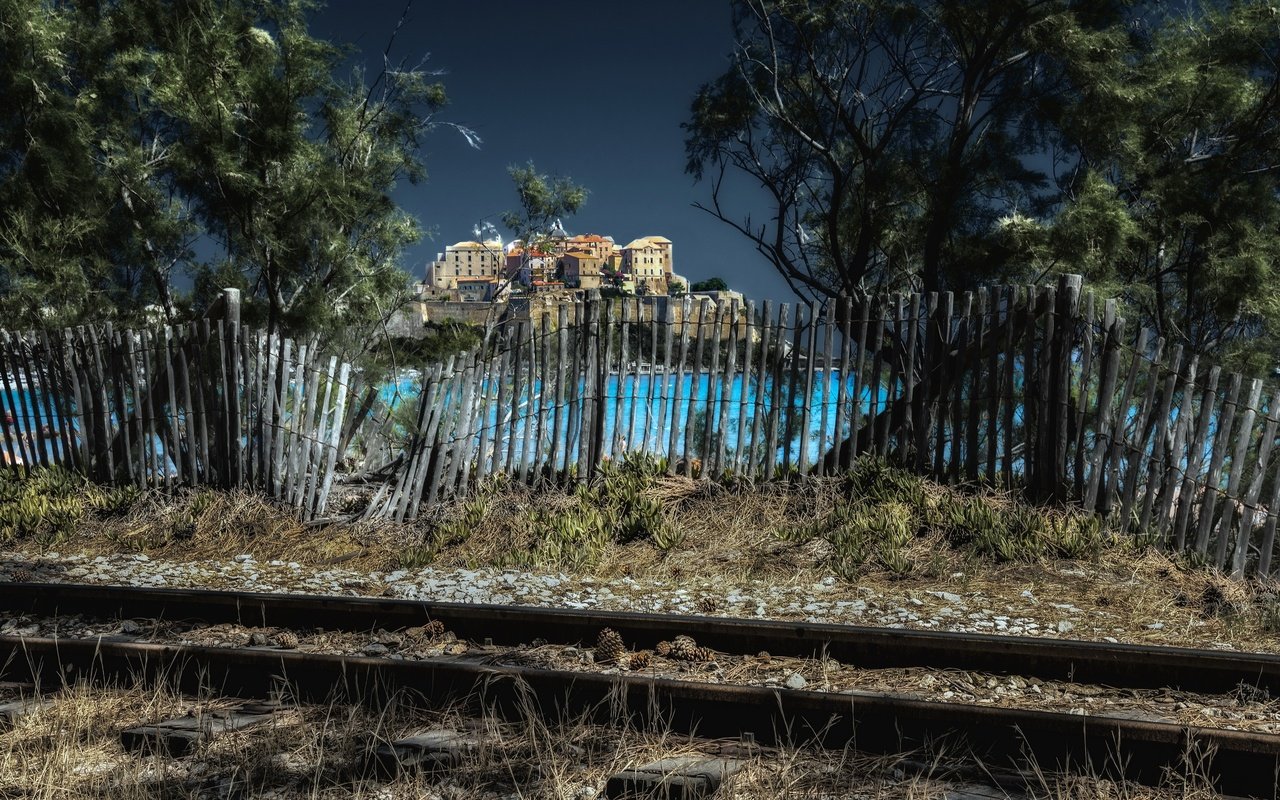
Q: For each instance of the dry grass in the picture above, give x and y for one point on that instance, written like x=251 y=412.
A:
x=71 y=749
x=702 y=534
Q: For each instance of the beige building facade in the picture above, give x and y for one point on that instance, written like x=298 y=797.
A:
x=582 y=269
x=468 y=260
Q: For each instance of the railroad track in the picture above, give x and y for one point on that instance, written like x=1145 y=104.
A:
x=1243 y=763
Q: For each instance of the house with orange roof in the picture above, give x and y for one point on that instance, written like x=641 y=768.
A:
x=582 y=269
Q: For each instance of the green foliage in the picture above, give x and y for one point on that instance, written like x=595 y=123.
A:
x=1133 y=142
x=544 y=201
x=709 y=285
x=676 y=289
x=46 y=505
x=132 y=130
x=885 y=509
x=917 y=156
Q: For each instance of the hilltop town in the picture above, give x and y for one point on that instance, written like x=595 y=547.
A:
x=488 y=270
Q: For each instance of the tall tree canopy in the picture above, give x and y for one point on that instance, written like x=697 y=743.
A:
x=941 y=144
x=141 y=139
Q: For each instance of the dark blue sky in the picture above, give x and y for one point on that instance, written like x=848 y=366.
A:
x=595 y=91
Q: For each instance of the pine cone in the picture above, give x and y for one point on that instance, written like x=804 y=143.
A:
x=432 y=630
x=707 y=605
x=20 y=575
x=287 y=639
x=639 y=661
x=609 y=648
x=686 y=649
x=663 y=649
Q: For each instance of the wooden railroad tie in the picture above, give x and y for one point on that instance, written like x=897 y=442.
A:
x=429 y=751
x=684 y=778
x=28 y=701
x=178 y=737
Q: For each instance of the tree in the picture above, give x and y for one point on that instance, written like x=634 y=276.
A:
x=544 y=201
x=889 y=135
x=136 y=130
x=1171 y=190
x=710 y=285
x=677 y=289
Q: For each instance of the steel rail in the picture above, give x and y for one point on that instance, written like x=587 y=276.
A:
x=1243 y=764
x=1100 y=663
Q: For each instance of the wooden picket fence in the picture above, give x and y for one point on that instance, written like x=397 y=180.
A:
x=211 y=402
x=1041 y=389
x=1036 y=388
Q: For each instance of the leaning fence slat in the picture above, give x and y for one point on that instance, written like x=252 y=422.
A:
x=188 y=412
x=74 y=355
x=921 y=402
x=619 y=439
x=713 y=383
x=531 y=390
x=660 y=438
x=833 y=383
x=727 y=379
x=1243 y=438
x=877 y=423
x=296 y=417
x=439 y=436
x=1218 y=455
x=793 y=382
x=1008 y=397
x=1043 y=475
x=742 y=452
x=502 y=407
x=1120 y=423
x=11 y=415
x=268 y=416
x=775 y=418
x=460 y=446
x=320 y=435
x=1196 y=456
x=598 y=360
x=512 y=434
x=544 y=393
x=1068 y=310
x=120 y=364
x=844 y=317
x=977 y=344
x=283 y=412
x=421 y=446
x=1172 y=463
x=52 y=395
x=650 y=388
x=335 y=435
x=1159 y=457
x=313 y=413
x=104 y=407
x=960 y=349
x=1143 y=427
x=807 y=399
x=1112 y=331
x=559 y=430
x=637 y=331
x=154 y=409
x=1082 y=392
x=677 y=394
x=942 y=374
x=695 y=388
x=1249 y=510
x=30 y=407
